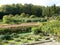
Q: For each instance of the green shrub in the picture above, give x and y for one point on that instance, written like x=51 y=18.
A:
x=17 y=40
x=29 y=38
x=5 y=37
x=32 y=16
x=2 y=37
x=36 y=39
x=52 y=27
x=22 y=37
x=13 y=34
x=23 y=15
x=8 y=19
x=16 y=36
x=36 y=30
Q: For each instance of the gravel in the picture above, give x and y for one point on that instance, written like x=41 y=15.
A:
x=49 y=43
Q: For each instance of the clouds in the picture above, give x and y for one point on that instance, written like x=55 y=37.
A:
x=36 y=2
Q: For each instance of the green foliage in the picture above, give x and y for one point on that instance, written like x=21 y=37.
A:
x=1 y=37
x=18 y=19
x=5 y=37
x=30 y=9
x=51 y=27
x=36 y=30
x=23 y=15
x=6 y=19
x=15 y=30
x=19 y=8
x=17 y=40
x=18 y=13
x=32 y=16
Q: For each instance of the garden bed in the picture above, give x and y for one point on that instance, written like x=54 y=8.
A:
x=27 y=38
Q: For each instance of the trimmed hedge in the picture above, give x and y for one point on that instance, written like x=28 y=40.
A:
x=15 y=30
x=18 y=20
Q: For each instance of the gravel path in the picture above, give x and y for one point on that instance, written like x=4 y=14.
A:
x=49 y=43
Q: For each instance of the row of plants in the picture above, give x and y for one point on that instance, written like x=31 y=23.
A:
x=15 y=30
x=21 y=38
x=17 y=19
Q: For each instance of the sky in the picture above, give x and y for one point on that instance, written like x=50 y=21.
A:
x=35 y=2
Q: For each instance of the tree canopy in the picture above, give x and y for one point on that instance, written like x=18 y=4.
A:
x=37 y=10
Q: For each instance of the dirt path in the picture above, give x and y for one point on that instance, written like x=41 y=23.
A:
x=18 y=25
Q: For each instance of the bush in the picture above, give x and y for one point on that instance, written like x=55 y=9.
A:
x=29 y=38
x=32 y=16
x=36 y=30
x=17 y=40
x=20 y=19
x=16 y=36
x=52 y=27
x=22 y=37
x=6 y=19
x=13 y=34
x=5 y=37
x=2 y=37
x=36 y=39
x=23 y=15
